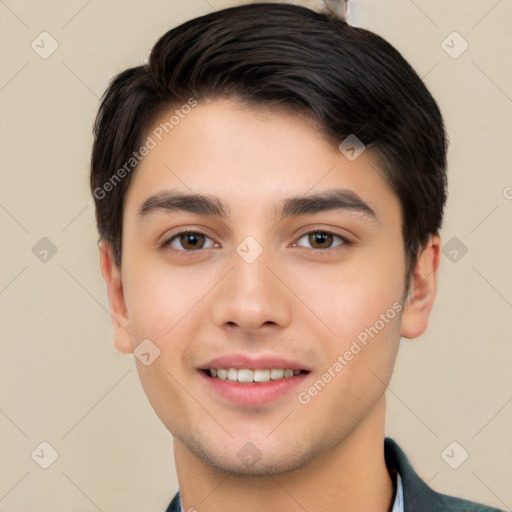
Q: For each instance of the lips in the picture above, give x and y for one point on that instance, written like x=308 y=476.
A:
x=252 y=381
x=243 y=361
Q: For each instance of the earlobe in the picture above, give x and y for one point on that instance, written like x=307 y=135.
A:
x=419 y=303
x=118 y=312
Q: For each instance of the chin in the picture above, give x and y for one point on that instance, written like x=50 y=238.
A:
x=250 y=461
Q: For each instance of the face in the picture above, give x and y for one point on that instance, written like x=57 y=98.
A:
x=257 y=279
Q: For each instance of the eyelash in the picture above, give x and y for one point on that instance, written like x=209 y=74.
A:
x=344 y=241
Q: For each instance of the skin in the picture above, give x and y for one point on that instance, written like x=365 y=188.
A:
x=297 y=300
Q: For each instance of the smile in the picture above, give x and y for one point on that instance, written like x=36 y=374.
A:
x=249 y=376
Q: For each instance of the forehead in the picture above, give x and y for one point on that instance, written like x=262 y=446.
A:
x=248 y=157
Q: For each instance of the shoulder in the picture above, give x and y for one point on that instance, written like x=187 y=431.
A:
x=418 y=496
x=174 y=506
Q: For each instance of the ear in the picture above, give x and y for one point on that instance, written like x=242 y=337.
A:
x=112 y=275
x=419 y=303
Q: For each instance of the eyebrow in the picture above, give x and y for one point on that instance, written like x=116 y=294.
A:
x=302 y=204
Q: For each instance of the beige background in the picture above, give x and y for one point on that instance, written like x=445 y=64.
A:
x=61 y=379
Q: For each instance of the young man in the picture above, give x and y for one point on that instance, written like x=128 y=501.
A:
x=269 y=191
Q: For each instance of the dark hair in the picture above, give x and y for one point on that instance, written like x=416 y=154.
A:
x=349 y=80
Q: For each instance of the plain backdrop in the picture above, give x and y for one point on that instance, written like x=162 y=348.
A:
x=62 y=381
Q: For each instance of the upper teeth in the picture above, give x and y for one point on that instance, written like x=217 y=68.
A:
x=248 y=375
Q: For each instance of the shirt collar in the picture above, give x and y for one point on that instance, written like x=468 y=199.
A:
x=398 y=504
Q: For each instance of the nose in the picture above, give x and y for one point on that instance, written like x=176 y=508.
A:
x=252 y=296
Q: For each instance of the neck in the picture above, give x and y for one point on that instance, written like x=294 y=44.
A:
x=351 y=477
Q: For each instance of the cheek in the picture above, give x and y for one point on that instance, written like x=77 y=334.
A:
x=360 y=303
x=152 y=308
x=169 y=306
x=357 y=366
x=159 y=297
x=163 y=305
x=349 y=298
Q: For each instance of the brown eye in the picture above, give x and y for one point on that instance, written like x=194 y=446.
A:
x=188 y=241
x=323 y=240
x=191 y=241
x=320 y=240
